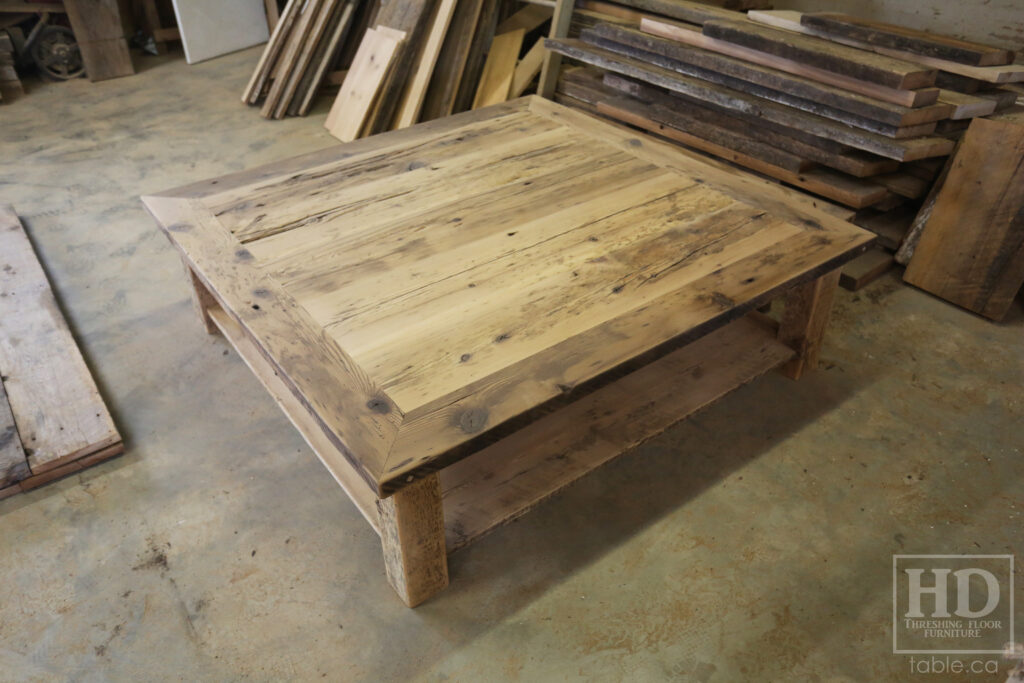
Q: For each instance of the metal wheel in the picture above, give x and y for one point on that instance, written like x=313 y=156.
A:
x=55 y=51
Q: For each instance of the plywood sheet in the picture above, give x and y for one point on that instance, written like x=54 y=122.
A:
x=211 y=29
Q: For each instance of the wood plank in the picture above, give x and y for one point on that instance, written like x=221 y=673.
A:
x=326 y=57
x=529 y=18
x=475 y=60
x=890 y=225
x=739 y=70
x=68 y=468
x=904 y=184
x=13 y=464
x=56 y=405
x=824 y=54
x=348 y=116
x=793 y=21
x=527 y=69
x=505 y=480
x=692 y=12
x=412 y=100
x=907 y=40
x=298 y=67
x=811 y=106
x=966 y=106
x=93 y=20
x=296 y=45
x=685 y=34
x=853 y=162
x=268 y=59
x=412 y=18
x=866 y=268
x=971 y=250
x=343 y=472
x=451 y=62
x=711 y=138
x=106 y=59
x=499 y=69
x=901 y=150
x=412 y=536
x=834 y=186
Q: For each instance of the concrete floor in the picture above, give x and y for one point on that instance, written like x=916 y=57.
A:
x=751 y=543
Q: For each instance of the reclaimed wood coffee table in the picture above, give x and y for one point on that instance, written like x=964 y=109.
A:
x=465 y=316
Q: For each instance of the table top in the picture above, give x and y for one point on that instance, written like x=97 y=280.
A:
x=428 y=291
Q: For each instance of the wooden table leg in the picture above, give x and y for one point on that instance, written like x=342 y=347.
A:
x=412 y=533
x=804 y=319
x=201 y=299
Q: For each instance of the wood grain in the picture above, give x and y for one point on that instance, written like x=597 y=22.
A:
x=685 y=34
x=805 y=315
x=427 y=292
x=793 y=21
x=771 y=80
x=13 y=465
x=725 y=98
x=56 y=405
x=416 y=91
x=412 y=535
x=971 y=248
x=907 y=39
x=499 y=69
x=824 y=54
x=352 y=107
x=505 y=480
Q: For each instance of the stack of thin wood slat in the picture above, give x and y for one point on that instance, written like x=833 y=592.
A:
x=423 y=60
x=861 y=114
x=308 y=39
x=10 y=84
x=53 y=421
x=397 y=62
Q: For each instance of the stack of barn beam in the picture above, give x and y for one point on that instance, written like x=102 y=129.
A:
x=861 y=114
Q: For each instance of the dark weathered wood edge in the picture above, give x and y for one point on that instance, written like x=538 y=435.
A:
x=388 y=486
x=170 y=218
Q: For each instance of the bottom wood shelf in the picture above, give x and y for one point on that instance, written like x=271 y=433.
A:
x=505 y=480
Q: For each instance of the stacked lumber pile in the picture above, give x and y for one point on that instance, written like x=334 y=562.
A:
x=446 y=59
x=865 y=126
x=10 y=84
x=53 y=421
x=397 y=62
x=308 y=39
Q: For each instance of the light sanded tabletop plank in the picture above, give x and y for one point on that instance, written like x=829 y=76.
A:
x=428 y=291
x=56 y=405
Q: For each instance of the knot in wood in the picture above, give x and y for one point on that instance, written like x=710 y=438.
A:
x=473 y=420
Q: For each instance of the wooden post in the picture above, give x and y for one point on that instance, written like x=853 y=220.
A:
x=201 y=299
x=804 y=319
x=412 y=534
x=560 y=22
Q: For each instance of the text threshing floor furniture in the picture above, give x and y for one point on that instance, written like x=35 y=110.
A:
x=465 y=316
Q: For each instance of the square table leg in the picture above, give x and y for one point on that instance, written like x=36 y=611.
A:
x=412 y=534
x=201 y=299
x=804 y=319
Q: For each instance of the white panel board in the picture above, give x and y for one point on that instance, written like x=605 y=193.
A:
x=213 y=28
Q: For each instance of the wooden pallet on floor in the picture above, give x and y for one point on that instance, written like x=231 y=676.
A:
x=53 y=420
